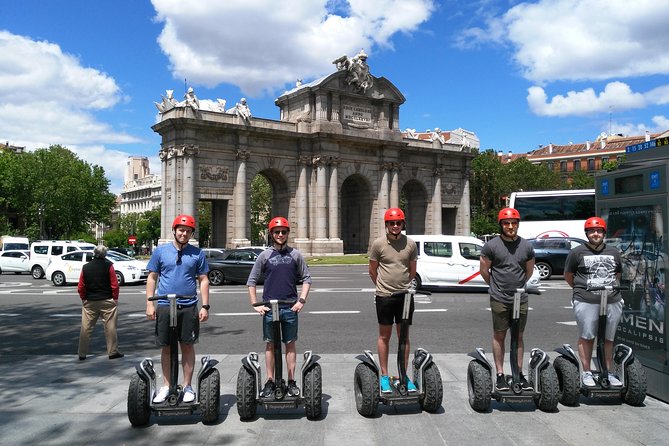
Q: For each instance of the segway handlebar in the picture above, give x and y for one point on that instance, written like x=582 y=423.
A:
x=608 y=288
x=410 y=291
x=536 y=291
x=173 y=296
x=269 y=302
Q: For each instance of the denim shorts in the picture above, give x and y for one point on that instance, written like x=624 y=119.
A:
x=587 y=319
x=288 y=320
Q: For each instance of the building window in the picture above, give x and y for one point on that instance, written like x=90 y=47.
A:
x=605 y=160
x=550 y=166
x=577 y=164
x=619 y=158
x=591 y=164
x=563 y=166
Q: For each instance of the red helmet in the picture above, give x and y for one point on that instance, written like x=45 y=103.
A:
x=278 y=221
x=184 y=220
x=393 y=214
x=508 y=213
x=594 y=222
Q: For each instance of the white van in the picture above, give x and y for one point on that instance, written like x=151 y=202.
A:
x=448 y=261
x=42 y=251
x=8 y=242
x=452 y=261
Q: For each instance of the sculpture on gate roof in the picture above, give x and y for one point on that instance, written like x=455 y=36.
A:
x=358 y=71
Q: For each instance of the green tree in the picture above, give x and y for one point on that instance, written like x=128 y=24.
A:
x=261 y=206
x=148 y=228
x=485 y=192
x=581 y=180
x=55 y=193
x=116 y=238
x=204 y=222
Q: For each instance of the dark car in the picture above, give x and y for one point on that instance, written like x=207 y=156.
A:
x=550 y=254
x=234 y=266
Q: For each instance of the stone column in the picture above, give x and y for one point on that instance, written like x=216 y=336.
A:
x=436 y=201
x=394 y=185
x=321 y=197
x=464 y=211
x=164 y=194
x=333 y=200
x=302 y=199
x=241 y=218
x=383 y=188
x=188 y=201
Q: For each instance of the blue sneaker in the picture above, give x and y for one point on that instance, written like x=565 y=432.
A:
x=411 y=387
x=384 y=382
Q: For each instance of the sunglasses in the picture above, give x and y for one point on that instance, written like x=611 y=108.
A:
x=180 y=254
x=509 y=223
x=394 y=223
x=281 y=231
x=595 y=231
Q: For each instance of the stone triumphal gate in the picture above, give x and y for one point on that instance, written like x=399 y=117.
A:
x=336 y=160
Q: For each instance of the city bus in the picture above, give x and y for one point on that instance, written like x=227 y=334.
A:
x=553 y=213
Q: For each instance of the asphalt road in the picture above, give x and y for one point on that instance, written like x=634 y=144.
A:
x=37 y=318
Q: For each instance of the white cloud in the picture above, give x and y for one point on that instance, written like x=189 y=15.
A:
x=616 y=96
x=210 y=42
x=583 y=39
x=47 y=97
x=660 y=124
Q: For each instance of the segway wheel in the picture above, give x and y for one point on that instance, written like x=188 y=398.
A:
x=568 y=380
x=210 y=395
x=366 y=387
x=635 y=392
x=313 y=392
x=433 y=387
x=479 y=385
x=139 y=411
x=246 y=394
x=548 y=399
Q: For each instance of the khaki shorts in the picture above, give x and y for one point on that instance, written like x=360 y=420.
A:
x=501 y=315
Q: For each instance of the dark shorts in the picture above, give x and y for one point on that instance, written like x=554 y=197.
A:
x=188 y=325
x=288 y=320
x=389 y=310
x=501 y=315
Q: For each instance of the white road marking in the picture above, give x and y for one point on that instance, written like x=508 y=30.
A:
x=430 y=310
x=568 y=323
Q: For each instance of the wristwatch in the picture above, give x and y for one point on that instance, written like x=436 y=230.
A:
x=206 y=307
x=302 y=300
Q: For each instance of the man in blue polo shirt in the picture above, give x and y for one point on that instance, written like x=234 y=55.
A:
x=177 y=267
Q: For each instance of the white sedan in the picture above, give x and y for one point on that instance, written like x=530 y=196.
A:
x=66 y=268
x=16 y=261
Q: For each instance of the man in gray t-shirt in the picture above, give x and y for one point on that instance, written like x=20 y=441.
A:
x=507 y=263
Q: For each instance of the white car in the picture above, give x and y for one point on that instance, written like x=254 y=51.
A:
x=16 y=261
x=451 y=261
x=66 y=268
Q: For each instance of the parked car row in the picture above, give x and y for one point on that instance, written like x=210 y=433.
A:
x=66 y=268
x=550 y=254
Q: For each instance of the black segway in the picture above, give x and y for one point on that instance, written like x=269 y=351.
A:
x=249 y=378
x=627 y=367
x=426 y=374
x=542 y=376
x=143 y=384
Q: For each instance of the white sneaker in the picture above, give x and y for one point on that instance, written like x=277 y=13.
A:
x=189 y=394
x=588 y=380
x=614 y=381
x=161 y=396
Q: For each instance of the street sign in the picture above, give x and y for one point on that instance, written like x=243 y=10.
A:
x=132 y=239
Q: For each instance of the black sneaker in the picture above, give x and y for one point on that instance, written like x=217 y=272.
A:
x=501 y=383
x=524 y=384
x=268 y=390
x=293 y=390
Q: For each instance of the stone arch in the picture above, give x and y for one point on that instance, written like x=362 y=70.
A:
x=356 y=212
x=416 y=197
x=279 y=200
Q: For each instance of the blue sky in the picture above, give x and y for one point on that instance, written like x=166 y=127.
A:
x=85 y=73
